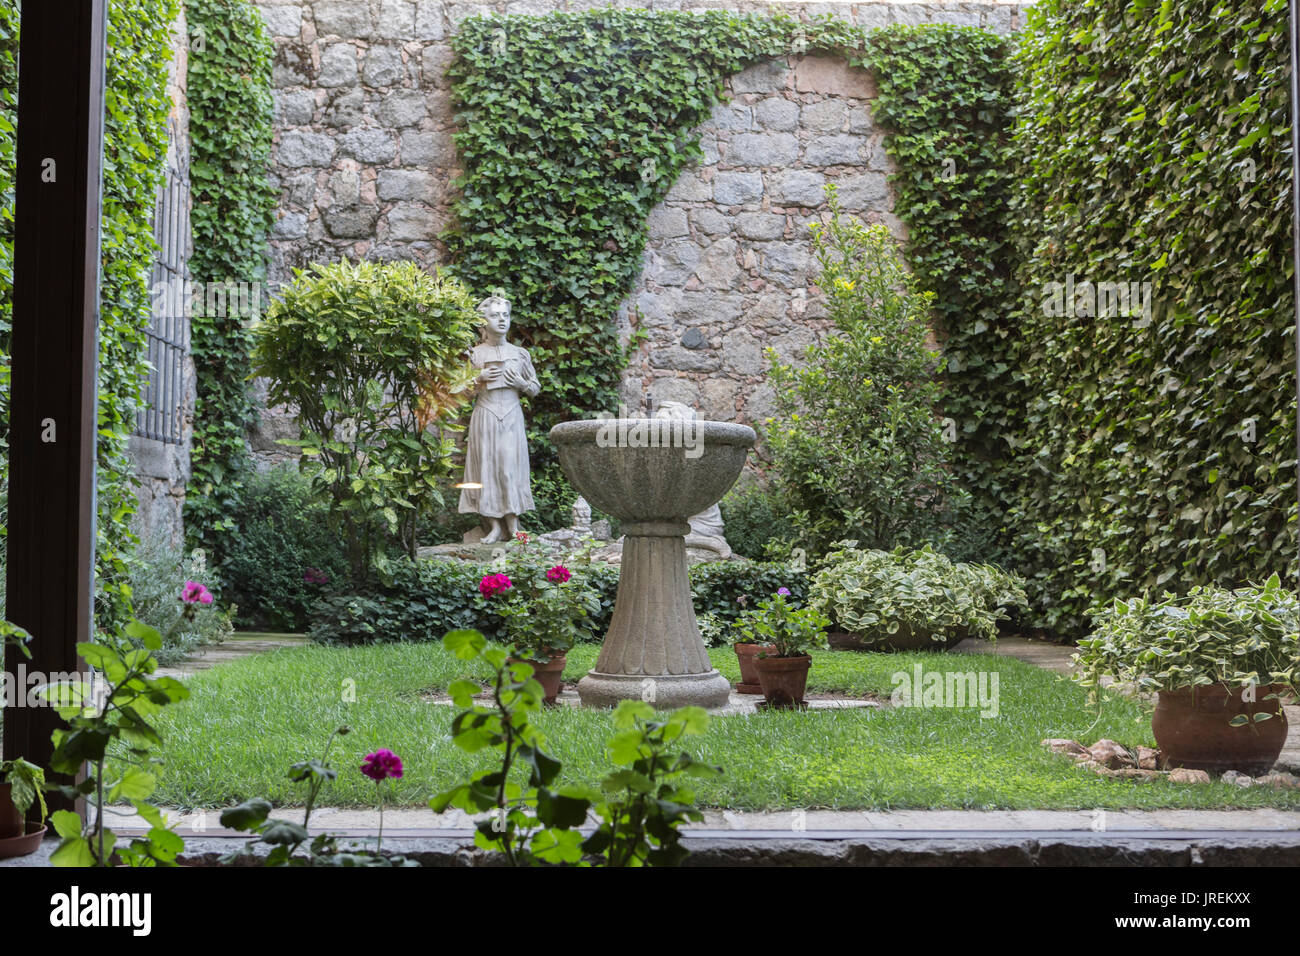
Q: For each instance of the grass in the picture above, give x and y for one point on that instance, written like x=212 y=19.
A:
x=249 y=719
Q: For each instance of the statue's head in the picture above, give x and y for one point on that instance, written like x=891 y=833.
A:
x=675 y=411
x=495 y=310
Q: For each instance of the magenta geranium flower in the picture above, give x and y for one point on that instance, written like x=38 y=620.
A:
x=381 y=765
x=493 y=584
x=558 y=574
x=195 y=593
x=783 y=592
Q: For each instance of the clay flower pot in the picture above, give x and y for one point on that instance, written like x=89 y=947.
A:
x=11 y=821
x=748 y=673
x=783 y=679
x=1193 y=729
x=25 y=844
x=548 y=674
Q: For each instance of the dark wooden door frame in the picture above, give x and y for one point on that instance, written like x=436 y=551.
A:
x=52 y=423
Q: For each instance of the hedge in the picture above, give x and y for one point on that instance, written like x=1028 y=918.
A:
x=428 y=598
x=1156 y=452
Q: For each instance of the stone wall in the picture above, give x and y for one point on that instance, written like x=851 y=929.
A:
x=364 y=156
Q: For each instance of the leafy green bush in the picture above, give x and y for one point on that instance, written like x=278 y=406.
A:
x=857 y=449
x=902 y=595
x=159 y=572
x=753 y=517
x=427 y=598
x=280 y=536
x=1157 y=451
x=1243 y=638
x=373 y=357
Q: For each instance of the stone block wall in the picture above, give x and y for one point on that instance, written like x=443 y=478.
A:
x=364 y=157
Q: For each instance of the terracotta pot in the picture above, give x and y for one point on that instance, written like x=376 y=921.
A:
x=27 y=843
x=783 y=679
x=548 y=674
x=1193 y=730
x=11 y=821
x=748 y=675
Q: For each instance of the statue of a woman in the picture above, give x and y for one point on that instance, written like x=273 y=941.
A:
x=496 y=451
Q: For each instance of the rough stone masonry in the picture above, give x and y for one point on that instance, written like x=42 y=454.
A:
x=364 y=157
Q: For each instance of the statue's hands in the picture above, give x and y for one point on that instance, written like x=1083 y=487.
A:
x=513 y=378
x=490 y=374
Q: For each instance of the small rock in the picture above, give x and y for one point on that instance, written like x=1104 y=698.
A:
x=1148 y=758
x=1063 y=745
x=1279 y=779
x=1183 y=775
x=1237 y=778
x=1110 y=754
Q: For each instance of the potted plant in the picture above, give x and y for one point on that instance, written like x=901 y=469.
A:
x=22 y=784
x=746 y=653
x=1220 y=662
x=785 y=635
x=908 y=600
x=544 y=611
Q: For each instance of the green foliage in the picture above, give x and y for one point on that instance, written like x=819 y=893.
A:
x=136 y=107
x=790 y=631
x=373 y=357
x=945 y=101
x=857 y=450
x=1156 y=147
x=424 y=599
x=901 y=594
x=130 y=700
x=8 y=165
x=229 y=91
x=532 y=821
x=280 y=548
x=754 y=517
x=158 y=573
x=1244 y=638
x=26 y=783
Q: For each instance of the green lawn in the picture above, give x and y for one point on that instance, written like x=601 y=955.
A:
x=249 y=719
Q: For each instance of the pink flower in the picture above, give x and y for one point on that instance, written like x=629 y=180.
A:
x=195 y=593
x=493 y=584
x=521 y=536
x=381 y=765
x=783 y=592
x=558 y=574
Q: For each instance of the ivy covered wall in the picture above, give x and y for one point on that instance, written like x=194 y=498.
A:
x=1157 y=447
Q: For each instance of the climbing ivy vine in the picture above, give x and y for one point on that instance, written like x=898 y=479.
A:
x=233 y=212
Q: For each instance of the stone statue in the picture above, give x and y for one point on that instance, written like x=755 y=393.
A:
x=706 y=527
x=496 y=485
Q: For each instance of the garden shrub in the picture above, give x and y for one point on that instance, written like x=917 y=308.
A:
x=232 y=212
x=372 y=355
x=427 y=598
x=753 y=517
x=1157 y=451
x=874 y=594
x=159 y=572
x=281 y=556
x=857 y=449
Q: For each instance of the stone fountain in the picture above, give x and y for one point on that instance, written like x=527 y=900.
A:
x=652 y=473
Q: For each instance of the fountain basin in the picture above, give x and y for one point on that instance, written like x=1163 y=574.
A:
x=652 y=474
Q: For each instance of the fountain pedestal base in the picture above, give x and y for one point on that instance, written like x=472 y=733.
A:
x=653 y=651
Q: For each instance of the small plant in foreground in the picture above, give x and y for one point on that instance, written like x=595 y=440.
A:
x=640 y=806
x=286 y=838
